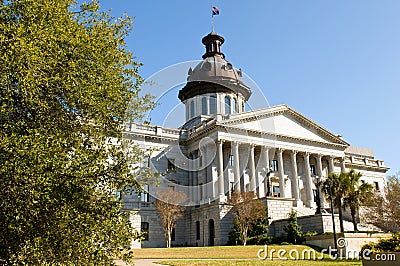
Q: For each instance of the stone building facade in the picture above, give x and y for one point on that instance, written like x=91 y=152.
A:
x=276 y=152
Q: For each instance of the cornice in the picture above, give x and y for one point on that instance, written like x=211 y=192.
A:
x=286 y=137
x=278 y=110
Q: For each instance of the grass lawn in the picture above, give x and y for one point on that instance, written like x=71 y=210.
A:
x=236 y=255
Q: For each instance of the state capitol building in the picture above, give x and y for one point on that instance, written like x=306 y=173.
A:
x=275 y=151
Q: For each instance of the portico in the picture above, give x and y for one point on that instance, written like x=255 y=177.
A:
x=243 y=166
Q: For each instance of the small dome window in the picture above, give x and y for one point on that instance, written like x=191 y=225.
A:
x=228 y=66
x=206 y=66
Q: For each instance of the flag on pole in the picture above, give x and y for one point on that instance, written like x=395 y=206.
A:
x=215 y=11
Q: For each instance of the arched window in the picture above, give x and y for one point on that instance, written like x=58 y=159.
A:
x=204 y=106
x=191 y=109
x=213 y=105
x=227 y=105
x=234 y=106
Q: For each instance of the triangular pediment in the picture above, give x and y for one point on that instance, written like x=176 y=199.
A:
x=281 y=120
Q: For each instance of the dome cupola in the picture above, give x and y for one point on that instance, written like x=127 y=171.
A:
x=214 y=86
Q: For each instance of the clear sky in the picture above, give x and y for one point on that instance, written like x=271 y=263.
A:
x=335 y=61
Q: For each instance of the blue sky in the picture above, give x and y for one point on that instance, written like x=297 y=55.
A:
x=335 y=61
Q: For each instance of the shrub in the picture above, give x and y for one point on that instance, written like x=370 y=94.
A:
x=385 y=244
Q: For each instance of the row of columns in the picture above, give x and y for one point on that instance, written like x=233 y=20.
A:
x=265 y=161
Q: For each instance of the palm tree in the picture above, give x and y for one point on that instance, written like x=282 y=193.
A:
x=356 y=194
x=337 y=184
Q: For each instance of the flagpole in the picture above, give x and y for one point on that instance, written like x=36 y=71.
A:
x=212 y=19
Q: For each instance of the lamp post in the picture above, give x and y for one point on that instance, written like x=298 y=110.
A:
x=333 y=217
x=318 y=195
x=268 y=194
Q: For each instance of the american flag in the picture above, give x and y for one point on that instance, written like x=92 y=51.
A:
x=215 y=11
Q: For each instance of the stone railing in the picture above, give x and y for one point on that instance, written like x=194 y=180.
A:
x=155 y=130
x=365 y=161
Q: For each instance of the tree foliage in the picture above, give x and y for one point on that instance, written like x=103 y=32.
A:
x=391 y=244
x=293 y=229
x=66 y=78
x=383 y=210
x=357 y=194
x=169 y=208
x=347 y=191
x=337 y=184
x=246 y=210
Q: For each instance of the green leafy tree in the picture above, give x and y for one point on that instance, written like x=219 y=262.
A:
x=293 y=229
x=357 y=194
x=66 y=78
x=246 y=210
x=337 y=184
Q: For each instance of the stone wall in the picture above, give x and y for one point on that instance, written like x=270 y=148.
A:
x=320 y=223
x=278 y=208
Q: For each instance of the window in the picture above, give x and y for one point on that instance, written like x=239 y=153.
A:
x=201 y=190
x=144 y=196
x=276 y=191
x=204 y=106
x=173 y=234
x=234 y=106
x=144 y=228
x=146 y=161
x=243 y=107
x=312 y=169
x=231 y=160
x=232 y=186
x=213 y=105
x=274 y=165
x=198 y=230
x=191 y=109
x=171 y=165
x=376 y=185
x=315 y=195
x=227 y=105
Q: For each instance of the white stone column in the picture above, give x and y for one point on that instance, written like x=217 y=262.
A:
x=205 y=174
x=309 y=193
x=252 y=170
x=190 y=174
x=281 y=174
x=265 y=157
x=342 y=164
x=220 y=170
x=236 y=170
x=331 y=165
x=319 y=165
x=295 y=176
